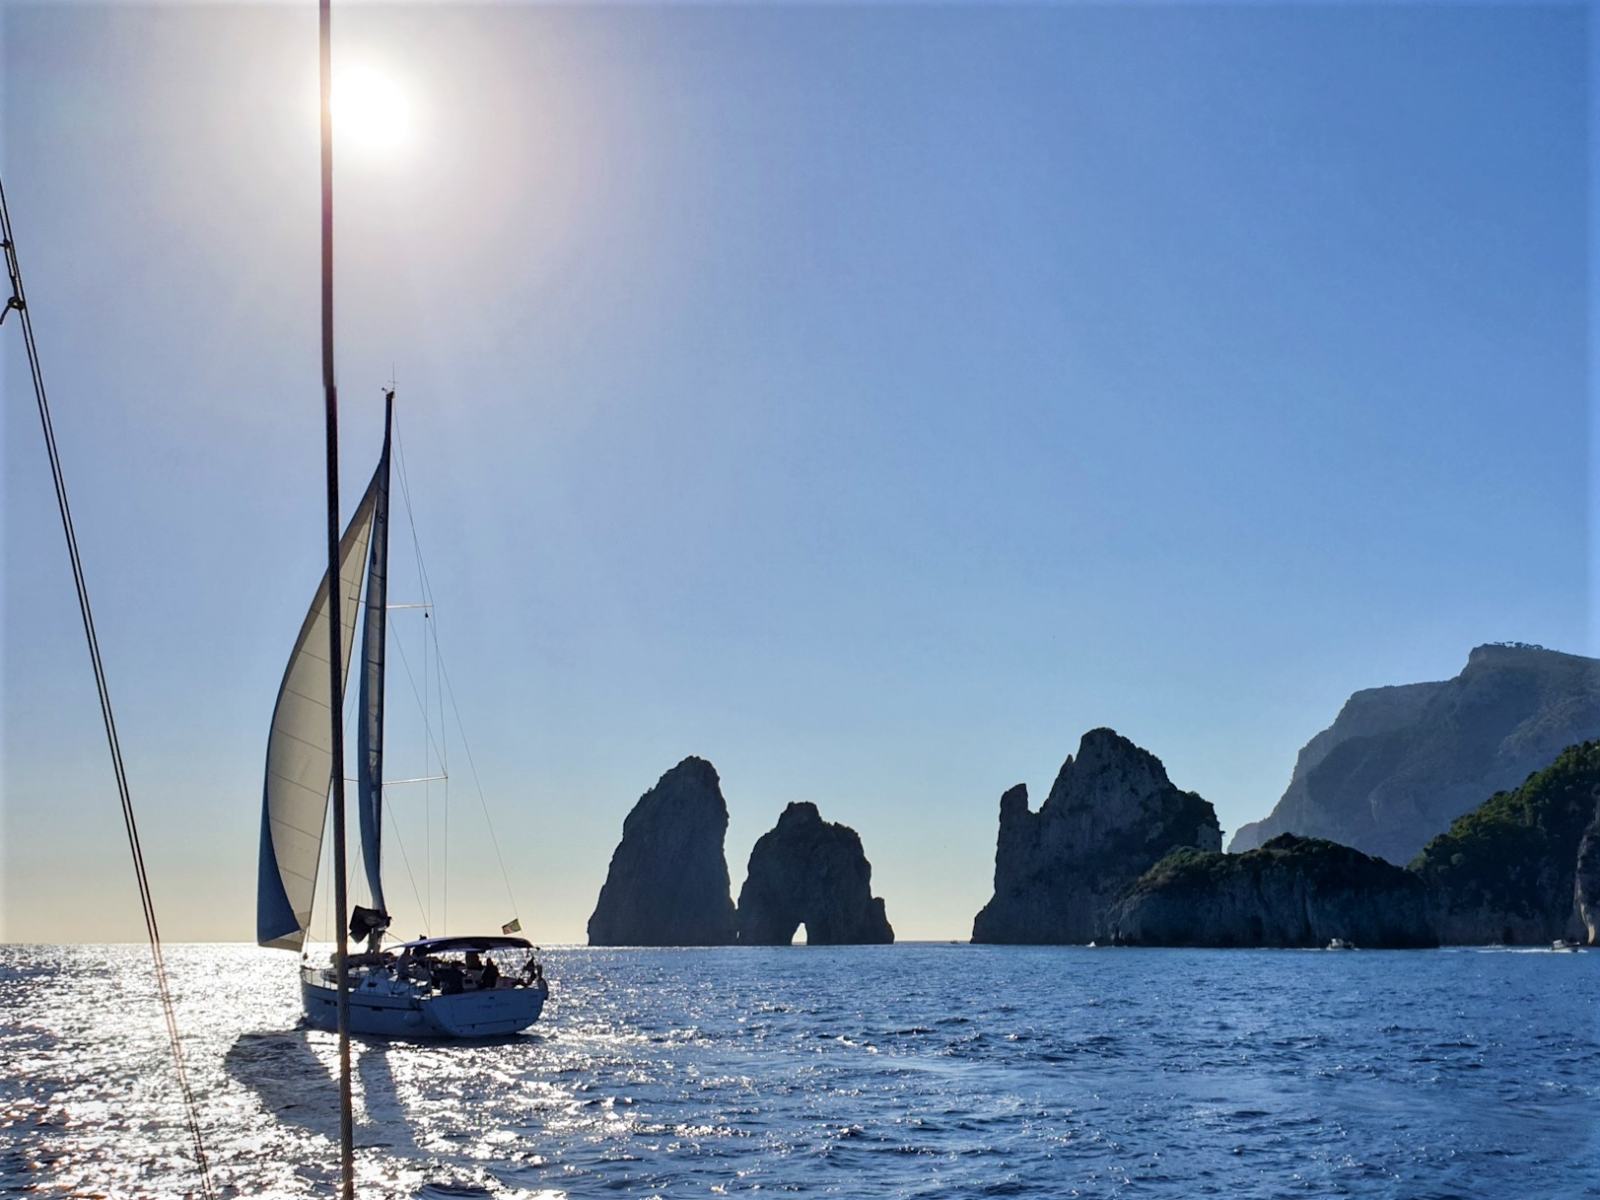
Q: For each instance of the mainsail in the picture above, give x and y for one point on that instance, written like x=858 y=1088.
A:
x=300 y=764
x=369 y=733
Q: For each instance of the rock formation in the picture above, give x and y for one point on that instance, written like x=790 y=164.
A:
x=1110 y=816
x=1586 y=896
x=1400 y=763
x=668 y=882
x=1291 y=892
x=807 y=870
x=1515 y=869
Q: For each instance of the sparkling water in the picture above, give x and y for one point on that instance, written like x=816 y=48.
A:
x=911 y=1070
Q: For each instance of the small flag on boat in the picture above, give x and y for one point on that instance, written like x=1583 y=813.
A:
x=512 y=926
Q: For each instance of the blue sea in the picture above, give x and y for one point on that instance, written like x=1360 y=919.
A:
x=903 y=1071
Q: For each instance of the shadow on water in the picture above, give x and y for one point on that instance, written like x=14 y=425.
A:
x=289 y=1079
x=299 y=1088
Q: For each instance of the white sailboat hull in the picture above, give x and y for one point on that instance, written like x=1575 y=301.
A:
x=379 y=1011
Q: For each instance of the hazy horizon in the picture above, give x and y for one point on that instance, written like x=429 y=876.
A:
x=868 y=400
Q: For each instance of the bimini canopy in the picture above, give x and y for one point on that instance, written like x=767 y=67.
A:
x=444 y=945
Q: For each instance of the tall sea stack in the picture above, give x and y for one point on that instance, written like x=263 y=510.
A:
x=1111 y=815
x=668 y=882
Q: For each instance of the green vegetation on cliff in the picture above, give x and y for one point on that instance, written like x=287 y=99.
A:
x=1505 y=870
x=1314 y=858
x=1292 y=891
x=1508 y=871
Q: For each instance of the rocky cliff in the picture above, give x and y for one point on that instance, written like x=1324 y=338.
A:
x=1509 y=871
x=1111 y=815
x=668 y=882
x=1586 y=896
x=1291 y=892
x=809 y=871
x=1400 y=763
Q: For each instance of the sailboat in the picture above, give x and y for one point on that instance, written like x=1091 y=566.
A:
x=451 y=987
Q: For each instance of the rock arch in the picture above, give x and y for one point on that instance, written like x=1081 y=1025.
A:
x=813 y=872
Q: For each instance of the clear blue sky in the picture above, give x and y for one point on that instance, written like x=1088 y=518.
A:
x=869 y=399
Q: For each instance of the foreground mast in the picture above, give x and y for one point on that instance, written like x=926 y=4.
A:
x=335 y=656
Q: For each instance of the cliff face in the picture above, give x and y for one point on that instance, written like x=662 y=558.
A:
x=811 y=871
x=1586 y=893
x=1516 y=868
x=1291 y=892
x=1400 y=763
x=1368 y=713
x=1111 y=815
x=668 y=882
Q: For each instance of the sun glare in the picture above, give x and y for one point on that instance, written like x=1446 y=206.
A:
x=370 y=110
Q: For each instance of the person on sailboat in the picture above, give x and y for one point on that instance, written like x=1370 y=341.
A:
x=409 y=967
x=449 y=978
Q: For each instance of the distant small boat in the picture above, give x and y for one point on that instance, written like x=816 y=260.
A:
x=1562 y=946
x=1341 y=944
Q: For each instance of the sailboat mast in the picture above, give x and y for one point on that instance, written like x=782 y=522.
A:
x=335 y=657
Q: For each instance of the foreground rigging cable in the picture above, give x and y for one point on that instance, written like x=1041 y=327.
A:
x=18 y=303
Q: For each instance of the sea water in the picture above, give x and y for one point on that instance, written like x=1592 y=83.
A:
x=911 y=1070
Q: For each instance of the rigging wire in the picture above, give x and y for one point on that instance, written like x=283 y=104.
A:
x=427 y=788
x=425 y=778
x=427 y=726
x=394 y=827
x=444 y=675
x=444 y=746
x=18 y=303
x=428 y=661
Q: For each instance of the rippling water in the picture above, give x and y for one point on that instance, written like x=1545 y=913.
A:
x=894 y=1071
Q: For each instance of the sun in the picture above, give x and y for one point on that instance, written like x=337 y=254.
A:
x=371 y=111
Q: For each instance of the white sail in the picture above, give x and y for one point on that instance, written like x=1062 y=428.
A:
x=300 y=751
